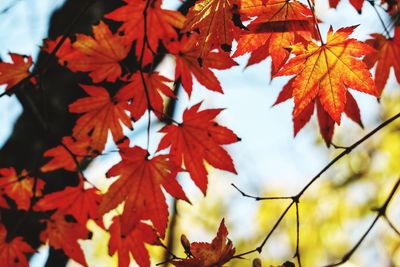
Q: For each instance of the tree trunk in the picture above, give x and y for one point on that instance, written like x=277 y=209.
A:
x=45 y=119
x=24 y=149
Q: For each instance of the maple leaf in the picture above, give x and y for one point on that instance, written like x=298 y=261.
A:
x=252 y=8
x=133 y=243
x=160 y=25
x=385 y=57
x=280 y=24
x=155 y=84
x=12 y=251
x=216 y=254
x=61 y=158
x=326 y=123
x=186 y=54
x=12 y=73
x=20 y=187
x=3 y=202
x=216 y=21
x=64 y=235
x=357 y=4
x=101 y=114
x=325 y=71
x=196 y=140
x=65 y=51
x=139 y=185
x=81 y=203
x=100 y=56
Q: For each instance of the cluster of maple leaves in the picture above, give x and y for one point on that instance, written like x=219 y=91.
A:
x=287 y=31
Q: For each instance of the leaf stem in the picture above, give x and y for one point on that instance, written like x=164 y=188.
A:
x=146 y=90
x=380 y=19
x=311 y=6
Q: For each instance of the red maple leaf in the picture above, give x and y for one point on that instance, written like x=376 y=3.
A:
x=139 y=185
x=62 y=158
x=101 y=114
x=279 y=24
x=215 y=254
x=131 y=244
x=187 y=64
x=155 y=85
x=81 y=203
x=196 y=140
x=386 y=56
x=20 y=187
x=326 y=123
x=100 y=56
x=3 y=201
x=12 y=73
x=66 y=50
x=64 y=235
x=161 y=25
x=12 y=251
x=357 y=4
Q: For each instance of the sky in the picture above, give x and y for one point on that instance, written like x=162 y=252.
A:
x=267 y=157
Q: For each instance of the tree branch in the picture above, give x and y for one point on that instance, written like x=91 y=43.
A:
x=296 y=198
x=381 y=212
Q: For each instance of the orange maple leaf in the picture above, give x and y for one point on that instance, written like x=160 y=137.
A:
x=100 y=56
x=279 y=24
x=131 y=244
x=386 y=56
x=161 y=25
x=20 y=187
x=215 y=22
x=139 y=185
x=186 y=54
x=216 y=254
x=196 y=140
x=81 y=203
x=325 y=71
x=12 y=73
x=252 y=8
x=155 y=84
x=12 y=251
x=64 y=235
x=61 y=158
x=101 y=114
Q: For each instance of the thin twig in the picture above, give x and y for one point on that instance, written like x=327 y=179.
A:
x=258 y=198
x=380 y=19
x=315 y=21
x=381 y=212
x=277 y=223
x=296 y=198
x=297 y=253
x=146 y=90
x=391 y=225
